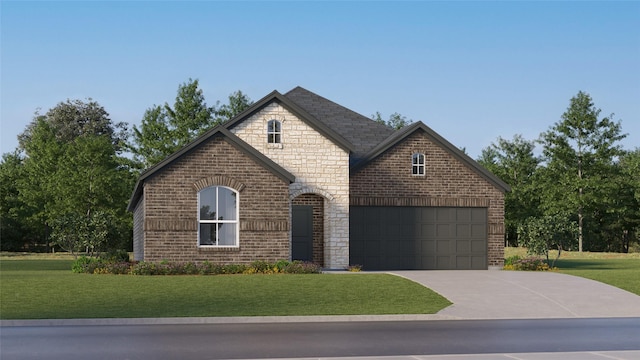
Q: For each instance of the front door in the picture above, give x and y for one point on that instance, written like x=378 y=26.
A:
x=302 y=233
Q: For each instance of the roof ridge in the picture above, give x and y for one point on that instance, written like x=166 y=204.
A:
x=328 y=100
x=363 y=132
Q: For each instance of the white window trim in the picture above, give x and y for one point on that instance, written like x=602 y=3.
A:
x=236 y=221
x=275 y=133
x=417 y=166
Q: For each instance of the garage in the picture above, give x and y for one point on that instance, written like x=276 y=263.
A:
x=418 y=238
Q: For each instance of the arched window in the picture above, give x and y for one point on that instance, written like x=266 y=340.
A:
x=417 y=164
x=274 y=132
x=218 y=217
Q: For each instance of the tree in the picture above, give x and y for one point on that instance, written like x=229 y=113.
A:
x=15 y=231
x=619 y=218
x=237 y=103
x=513 y=161
x=75 y=173
x=165 y=129
x=395 y=121
x=541 y=234
x=579 y=152
x=190 y=115
x=74 y=118
x=154 y=140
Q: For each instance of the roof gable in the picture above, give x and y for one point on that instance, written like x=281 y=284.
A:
x=298 y=111
x=406 y=131
x=218 y=131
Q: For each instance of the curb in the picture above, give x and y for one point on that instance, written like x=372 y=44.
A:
x=221 y=320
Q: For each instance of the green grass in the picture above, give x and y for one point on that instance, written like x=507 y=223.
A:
x=47 y=289
x=621 y=273
x=616 y=269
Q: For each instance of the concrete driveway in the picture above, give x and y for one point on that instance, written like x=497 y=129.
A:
x=497 y=294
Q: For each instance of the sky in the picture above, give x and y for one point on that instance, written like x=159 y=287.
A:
x=472 y=71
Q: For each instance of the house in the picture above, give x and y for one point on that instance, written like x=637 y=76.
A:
x=297 y=176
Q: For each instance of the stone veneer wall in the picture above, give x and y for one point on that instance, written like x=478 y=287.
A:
x=318 y=223
x=319 y=165
x=171 y=201
x=388 y=181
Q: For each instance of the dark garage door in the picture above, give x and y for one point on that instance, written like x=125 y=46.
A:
x=413 y=238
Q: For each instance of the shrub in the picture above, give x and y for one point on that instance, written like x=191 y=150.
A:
x=85 y=264
x=234 y=269
x=115 y=256
x=299 y=267
x=144 y=268
x=511 y=260
x=526 y=264
x=281 y=265
x=101 y=266
x=354 y=268
x=113 y=268
x=262 y=267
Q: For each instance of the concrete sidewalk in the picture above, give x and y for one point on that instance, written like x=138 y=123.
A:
x=525 y=295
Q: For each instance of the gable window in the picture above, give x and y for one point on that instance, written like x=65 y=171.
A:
x=274 y=132
x=417 y=164
x=218 y=217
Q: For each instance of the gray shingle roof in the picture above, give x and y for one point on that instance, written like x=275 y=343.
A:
x=362 y=132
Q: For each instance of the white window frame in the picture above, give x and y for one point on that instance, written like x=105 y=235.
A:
x=418 y=167
x=274 y=136
x=236 y=221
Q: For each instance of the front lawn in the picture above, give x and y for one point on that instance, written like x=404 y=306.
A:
x=621 y=273
x=47 y=289
x=616 y=269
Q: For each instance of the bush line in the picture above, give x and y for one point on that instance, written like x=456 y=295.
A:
x=88 y=265
x=530 y=263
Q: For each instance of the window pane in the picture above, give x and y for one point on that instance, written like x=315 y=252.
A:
x=226 y=204
x=421 y=170
x=273 y=126
x=207 y=234
x=208 y=204
x=420 y=159
x=227 y=234
x=277 y=138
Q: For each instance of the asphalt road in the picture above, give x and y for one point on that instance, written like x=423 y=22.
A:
x=331 y=339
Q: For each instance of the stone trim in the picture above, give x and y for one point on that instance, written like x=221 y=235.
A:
x=218 y=180
x=310 y=190
x=418 y=201
x=496 y=229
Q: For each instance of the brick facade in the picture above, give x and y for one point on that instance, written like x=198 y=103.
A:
x=310 y=166
x=170 y=202
x=388 y=181
x=319 y=165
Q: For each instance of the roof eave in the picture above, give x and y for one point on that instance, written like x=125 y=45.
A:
x=218 y=130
